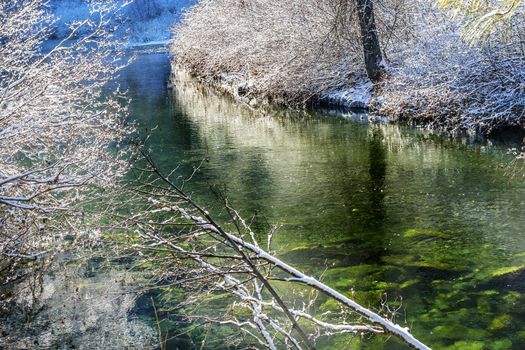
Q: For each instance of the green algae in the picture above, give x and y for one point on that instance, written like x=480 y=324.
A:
x=520 y=336
x=489 y=293
x=409 y=283
x=466 y=345
x=458 y=332
x=424 y=233
x=501 y=344
x=506 y=270
x=500 y=322
x=434 y=261
x=330 y=305
x=512 y=297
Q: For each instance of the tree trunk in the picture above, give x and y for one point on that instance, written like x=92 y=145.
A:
x=371 y=46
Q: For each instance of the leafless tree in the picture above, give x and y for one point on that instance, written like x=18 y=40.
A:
x=266 y=298
x=59 y=130
x=144 y=9
x=369 y=37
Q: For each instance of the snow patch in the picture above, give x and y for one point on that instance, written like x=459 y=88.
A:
x=358 y=96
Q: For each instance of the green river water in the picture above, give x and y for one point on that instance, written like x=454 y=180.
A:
x=389 y=211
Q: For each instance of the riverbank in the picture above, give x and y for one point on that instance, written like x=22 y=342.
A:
x=433 y=77
x=451 y=117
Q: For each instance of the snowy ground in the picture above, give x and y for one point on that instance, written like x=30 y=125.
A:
x=358 y=96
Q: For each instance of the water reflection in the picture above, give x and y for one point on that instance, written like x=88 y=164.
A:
x=385 y=208
x=377 y=171
x=376 y=191
x=76 y=306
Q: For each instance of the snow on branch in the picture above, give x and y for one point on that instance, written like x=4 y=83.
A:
x=186 y=248
x=59 y=129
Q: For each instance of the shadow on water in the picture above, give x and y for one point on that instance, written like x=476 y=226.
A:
x=383 y=209
x=376 y=191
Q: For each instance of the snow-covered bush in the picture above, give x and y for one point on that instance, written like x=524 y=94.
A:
x=297 y=52
x=140 y=21
x=56 y=129
x=153 y=29
x=438 y=78
x=66 y=13
x=286 y=51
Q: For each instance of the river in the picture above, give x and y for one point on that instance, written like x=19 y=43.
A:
x=384 y=212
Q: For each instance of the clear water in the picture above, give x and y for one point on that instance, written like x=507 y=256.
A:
x=388 y=210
